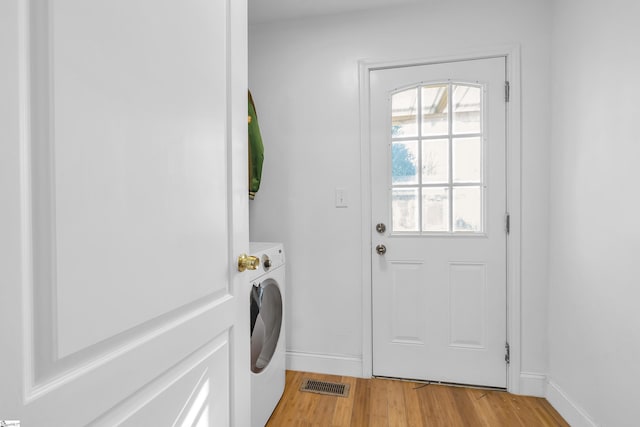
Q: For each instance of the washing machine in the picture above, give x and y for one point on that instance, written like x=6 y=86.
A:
x=267 y=298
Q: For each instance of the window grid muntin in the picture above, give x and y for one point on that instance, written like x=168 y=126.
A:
x=450 y=136
x=419 y=89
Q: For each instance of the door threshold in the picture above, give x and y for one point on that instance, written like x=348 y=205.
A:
x=445 y=383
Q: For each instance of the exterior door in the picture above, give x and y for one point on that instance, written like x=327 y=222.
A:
x=123 y=200
x=438 y=186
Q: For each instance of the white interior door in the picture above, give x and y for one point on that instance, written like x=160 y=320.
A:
x=438 y=186
x=123 y=129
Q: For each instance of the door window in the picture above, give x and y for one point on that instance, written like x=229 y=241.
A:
x=437 y=168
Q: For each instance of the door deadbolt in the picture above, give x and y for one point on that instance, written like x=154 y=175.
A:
x=381 y=249
x=381 y=228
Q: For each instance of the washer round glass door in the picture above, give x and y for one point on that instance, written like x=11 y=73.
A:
x=266 y=321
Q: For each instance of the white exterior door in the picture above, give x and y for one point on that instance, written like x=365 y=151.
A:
x=123 y=211
x=438 y=186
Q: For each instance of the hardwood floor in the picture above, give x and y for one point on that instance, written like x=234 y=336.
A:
x=383 y=402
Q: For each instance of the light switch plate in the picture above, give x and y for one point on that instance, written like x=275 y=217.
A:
x=341 y=198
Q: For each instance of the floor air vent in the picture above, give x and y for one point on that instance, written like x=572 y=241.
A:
x=324 y=387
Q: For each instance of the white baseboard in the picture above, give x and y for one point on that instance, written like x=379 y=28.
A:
x=533 y=384
x=570 y=411
x=324 y=363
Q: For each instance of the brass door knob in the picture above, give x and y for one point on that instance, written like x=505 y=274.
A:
x=248 y=262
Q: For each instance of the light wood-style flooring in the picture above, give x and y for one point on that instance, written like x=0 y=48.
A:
x=384 y=402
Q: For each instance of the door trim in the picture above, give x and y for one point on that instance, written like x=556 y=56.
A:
x=514 y=189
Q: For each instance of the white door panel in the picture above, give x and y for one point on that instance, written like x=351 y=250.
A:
x=194 y=393
x=138 y=182
x=439 y=186
x=126 y=194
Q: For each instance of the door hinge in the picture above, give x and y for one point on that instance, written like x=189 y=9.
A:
x=507 y=222
x=506 y=91
x=507 y=353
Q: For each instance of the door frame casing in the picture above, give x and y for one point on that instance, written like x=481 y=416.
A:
x=511 y=53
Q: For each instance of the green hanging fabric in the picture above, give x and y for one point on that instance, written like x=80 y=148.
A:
x=256 y=151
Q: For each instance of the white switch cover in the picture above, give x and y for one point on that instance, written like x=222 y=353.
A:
x=341 y=198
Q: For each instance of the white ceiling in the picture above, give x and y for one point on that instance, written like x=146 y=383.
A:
x=272 y=10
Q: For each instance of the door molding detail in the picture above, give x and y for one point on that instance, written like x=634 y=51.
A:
x=514 y=189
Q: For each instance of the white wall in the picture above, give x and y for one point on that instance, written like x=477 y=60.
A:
x=594 y=321
x=304 y=78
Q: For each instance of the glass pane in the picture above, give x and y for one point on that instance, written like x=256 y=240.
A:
x=404 y=113
x=404 y=209
x=467 y=209
x=435 y=209
x=467 y=117
x=435 y=161
x=467 y=160
x=435 y=110
x=404 y=162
